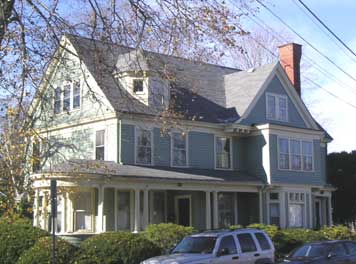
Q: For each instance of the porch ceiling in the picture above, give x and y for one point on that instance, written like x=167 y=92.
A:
x=113 y=169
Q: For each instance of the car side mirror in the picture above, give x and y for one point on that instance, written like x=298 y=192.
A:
x=331 y=255
x=223 y=252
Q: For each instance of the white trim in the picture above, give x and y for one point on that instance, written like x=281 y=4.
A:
x=151 y=130
x=186 y=135
x=300 y=139
x=178 y=197
x=277 y=97
x=231 y=151
x=96 y=130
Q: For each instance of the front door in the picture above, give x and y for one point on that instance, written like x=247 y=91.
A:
x=183 y=210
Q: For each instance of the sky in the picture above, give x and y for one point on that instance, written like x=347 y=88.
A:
x=336 y=116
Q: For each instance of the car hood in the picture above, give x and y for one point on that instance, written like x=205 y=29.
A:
x=301 y=260
x=179 y=258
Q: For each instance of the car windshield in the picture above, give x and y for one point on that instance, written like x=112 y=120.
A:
x=203 y=245
x=310 y=251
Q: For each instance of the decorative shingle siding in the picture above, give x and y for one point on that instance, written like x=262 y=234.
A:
x=296 y=177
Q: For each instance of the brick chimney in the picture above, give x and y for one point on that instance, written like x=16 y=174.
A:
x=289 y=56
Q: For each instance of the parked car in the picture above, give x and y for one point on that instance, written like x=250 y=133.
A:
x=329 y=252
x=243 y=246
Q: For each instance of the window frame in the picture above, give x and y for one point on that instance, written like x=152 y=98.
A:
x=215 y=152
x=150 y=129
x=301 y=140
x=143 y=85
x=274 y=201
x=186 y=135
x=92 y=211
x=295 y=197
x=104 y=145
x=277 y=97
x=71 y=97
x=67 y=98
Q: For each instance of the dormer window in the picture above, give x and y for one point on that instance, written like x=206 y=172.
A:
x=138 y=86
x=277 y=107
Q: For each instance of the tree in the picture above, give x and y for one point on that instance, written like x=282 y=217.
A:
x=30 y=34
x=341 y=170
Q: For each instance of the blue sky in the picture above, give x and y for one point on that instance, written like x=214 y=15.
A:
x=338 y=118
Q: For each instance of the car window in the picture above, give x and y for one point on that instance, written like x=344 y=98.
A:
x=228 y=243
x=315 y=250
x=351 y=247
x=338 y=250
x=203 y=245
x=246 y=243
x=262 y=240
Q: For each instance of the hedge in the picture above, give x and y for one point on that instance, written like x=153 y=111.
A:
x=41 y=252
x=17 y=237
x=166 y=236
x=116 y=247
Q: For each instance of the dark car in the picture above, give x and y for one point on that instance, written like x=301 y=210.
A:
x=329 y=252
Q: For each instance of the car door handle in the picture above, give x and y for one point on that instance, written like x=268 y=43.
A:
x=235 y=257
x=257 y=255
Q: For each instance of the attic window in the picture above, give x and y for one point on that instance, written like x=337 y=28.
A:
x=138 y=86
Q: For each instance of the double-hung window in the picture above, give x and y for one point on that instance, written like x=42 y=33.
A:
x=274 y=209
x=57 y=100
x=100 y=145
x=295 y=154
x=143 y=146
x=66 y=98
x=277 y=107
x=179 y=150
x=222 y=153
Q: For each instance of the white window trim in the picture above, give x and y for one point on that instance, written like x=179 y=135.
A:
x=105 y=142
x=269 y=201
x=186 y=150
x=231 y=151
x=61 y=87
x=277 y=96
x=152 y=146
x=301 y=152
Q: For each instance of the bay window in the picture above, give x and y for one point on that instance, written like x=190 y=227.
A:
x=143 y=146
x=296 y=203
x=222 y=152
x=277 y=107
x=179 y=150
x=295 y=154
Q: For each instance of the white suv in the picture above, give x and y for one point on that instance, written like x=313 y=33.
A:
x=243 y=246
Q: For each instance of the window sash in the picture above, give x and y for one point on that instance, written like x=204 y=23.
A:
x=179 y=150
x=277 y=107
x=100 y=145
x=76 y=95
x=223 y=153
x=295 y=154
x=66 y=98
x=143 y=146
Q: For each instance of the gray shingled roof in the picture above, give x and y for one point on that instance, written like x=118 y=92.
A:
x=113 y=169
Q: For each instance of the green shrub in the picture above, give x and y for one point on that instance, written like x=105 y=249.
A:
x=168 y=235
x=16 y=237
x=41 y=252
x=116 y=247
x=235 y=227
x=336 y=232
x=271 y=230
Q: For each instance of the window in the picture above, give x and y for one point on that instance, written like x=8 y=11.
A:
x=296 y=209
x=36 y=156
x=226 y=209
x=57 y=100
x=295 y=154
x=274 y=210
x=100 y=145
x=158 y=205
x=123 y=210
x=83 y=211
x=222 y=153
x=76 y=95
x=138 y=86
x=179 y=150
x=277 y=107
x=338 y=250
x=143 y=146
x=228 y=245
x=246 y=243
x=66 y=98
x=351 y=247
x=262 y=240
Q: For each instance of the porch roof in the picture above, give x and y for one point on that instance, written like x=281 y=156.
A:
x=113 y=169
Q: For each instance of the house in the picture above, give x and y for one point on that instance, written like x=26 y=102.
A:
x=241 y=147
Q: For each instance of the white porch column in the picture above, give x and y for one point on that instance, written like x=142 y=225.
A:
x=330 y=211
x=100 y=225
x=44 y=213
x=137 y=211
x=215 y=210
x=145 y=208
x=35 y=212
x=208 y=210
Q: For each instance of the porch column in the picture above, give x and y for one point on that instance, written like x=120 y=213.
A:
x=261 y=206
x=35 y=212
x=137 y=211
x=145 y=208
x=100 y=208
x=44 y=213
x=215 y=210
x=208 y=210
x=330 y=211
